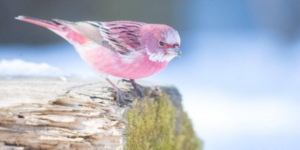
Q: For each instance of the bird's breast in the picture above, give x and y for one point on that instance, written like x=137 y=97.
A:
x=134 y=66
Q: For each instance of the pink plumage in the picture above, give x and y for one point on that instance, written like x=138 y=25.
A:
x=124 y=49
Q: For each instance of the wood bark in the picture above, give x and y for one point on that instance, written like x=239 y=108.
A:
x=63 y=113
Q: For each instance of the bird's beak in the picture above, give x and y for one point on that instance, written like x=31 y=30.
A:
x=174 y=51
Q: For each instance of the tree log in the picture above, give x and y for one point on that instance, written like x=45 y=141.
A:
x=72 y=113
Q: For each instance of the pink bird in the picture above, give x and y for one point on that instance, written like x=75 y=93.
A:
x=126 y=49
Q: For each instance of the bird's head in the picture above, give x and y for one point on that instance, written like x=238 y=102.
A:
x=161 y=42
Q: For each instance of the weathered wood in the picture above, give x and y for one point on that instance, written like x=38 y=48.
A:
x=61 y=113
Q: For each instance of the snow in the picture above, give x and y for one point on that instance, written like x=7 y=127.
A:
x=21 y=68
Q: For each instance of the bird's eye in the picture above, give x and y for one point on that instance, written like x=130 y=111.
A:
x=161 y=43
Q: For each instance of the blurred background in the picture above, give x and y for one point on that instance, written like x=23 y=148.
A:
x=239 y=73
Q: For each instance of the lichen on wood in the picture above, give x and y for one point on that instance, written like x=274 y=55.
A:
x=151 y=126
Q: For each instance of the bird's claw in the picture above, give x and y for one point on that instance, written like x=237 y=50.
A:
x=136 y=87
x=139 y=90
x=121 y=97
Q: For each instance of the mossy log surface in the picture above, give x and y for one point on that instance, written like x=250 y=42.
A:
x=65 y=113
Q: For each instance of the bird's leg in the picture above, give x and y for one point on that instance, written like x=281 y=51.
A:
x=120 y=96
x=138 y=88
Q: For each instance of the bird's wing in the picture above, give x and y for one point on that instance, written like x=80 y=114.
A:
x=120 y=36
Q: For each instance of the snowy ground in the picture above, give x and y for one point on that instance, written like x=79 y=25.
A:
x=241 y=90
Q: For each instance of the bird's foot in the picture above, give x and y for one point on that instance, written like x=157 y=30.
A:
x=121 y=97
x=139 y=90
x=119 y=94
x=136 y=87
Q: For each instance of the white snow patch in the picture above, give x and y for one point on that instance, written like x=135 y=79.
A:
x=21 y=68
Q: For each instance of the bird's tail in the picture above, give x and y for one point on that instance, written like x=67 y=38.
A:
x=44 y=23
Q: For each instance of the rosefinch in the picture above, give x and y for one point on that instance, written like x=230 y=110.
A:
x=124 y=49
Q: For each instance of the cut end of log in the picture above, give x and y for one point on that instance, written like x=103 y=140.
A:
x=83 y=114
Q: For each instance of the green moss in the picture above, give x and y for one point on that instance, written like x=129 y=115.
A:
x=187 y=138
x=151 y=127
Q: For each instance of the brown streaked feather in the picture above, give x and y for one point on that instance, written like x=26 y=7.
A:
x=120 y=36
x=83 y=28
x=124 y=35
